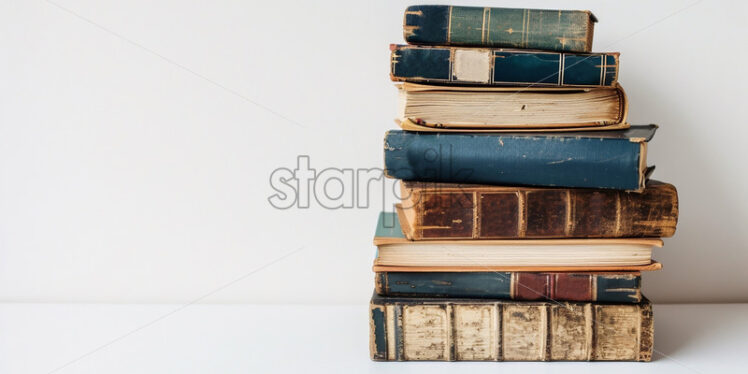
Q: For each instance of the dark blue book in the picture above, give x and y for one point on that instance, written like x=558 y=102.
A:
x=546 y=29
x=621 y=287
x=497 y=67
x=602 y=159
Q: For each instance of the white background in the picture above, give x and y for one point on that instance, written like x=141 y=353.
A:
x=137 y=139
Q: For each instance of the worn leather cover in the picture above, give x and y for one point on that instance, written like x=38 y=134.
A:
x=511 y=67
x=609 y=159
x=622 y=287
x=454 y=211
x=554 y=30
x=413 y=329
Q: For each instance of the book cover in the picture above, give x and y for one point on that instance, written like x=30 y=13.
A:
x=408 y=125
x=415 y=329
x=553 y=30
x=610 y=159
x=618 y=287
x=468 y=211
x=509 y=67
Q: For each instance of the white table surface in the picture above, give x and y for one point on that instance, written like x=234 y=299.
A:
x=86 y=338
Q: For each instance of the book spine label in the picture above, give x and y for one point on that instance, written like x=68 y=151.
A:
x=502 y=67
x=462 y=213
x=553 y=30
x=493 y=331
x=620 y=288
x=514 y=160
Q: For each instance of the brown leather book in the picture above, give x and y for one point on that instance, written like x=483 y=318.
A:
x=461 y=211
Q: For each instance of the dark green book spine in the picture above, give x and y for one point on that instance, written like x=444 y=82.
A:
x=497 y=67
x=553 y=30
x=561 y=286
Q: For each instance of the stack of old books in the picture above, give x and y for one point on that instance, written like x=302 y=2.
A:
x=527 y=213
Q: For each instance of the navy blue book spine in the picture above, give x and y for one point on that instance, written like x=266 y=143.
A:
x=546 y=29
x=515 y=159
x=604 y=287
x=440 y=65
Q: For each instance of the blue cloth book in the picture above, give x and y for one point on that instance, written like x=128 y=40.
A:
x=546 y=29
x=497 y=67
x=593 y=159
x=620 y=287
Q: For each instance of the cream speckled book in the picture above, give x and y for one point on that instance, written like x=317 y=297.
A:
x=415 y=329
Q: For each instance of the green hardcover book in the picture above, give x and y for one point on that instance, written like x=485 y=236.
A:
x=501 y=67
x=553 y=30
x=603 y=286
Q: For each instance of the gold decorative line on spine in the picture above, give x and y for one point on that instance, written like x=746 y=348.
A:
x=497 y=324
x=422 y=209
x=525 y=23
x=513 y=285
x=547 y=338
x=622 y=289
x=476 y=214
x=561 y=69
x=527 y=29
x=522 y=222
x=500 y=335
x=618 y=214
x=524 y=28
x=488 y=26
x=593 y=287
x=483 y=27
x=569 y=216
x=546 y=323
x=642 y=164
x=588 y=328
x=449 y=26
x=399 y=348
x=602 y=69
x=590 y=322
x=615 y=77
x=451 y=344
x=394 y=56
